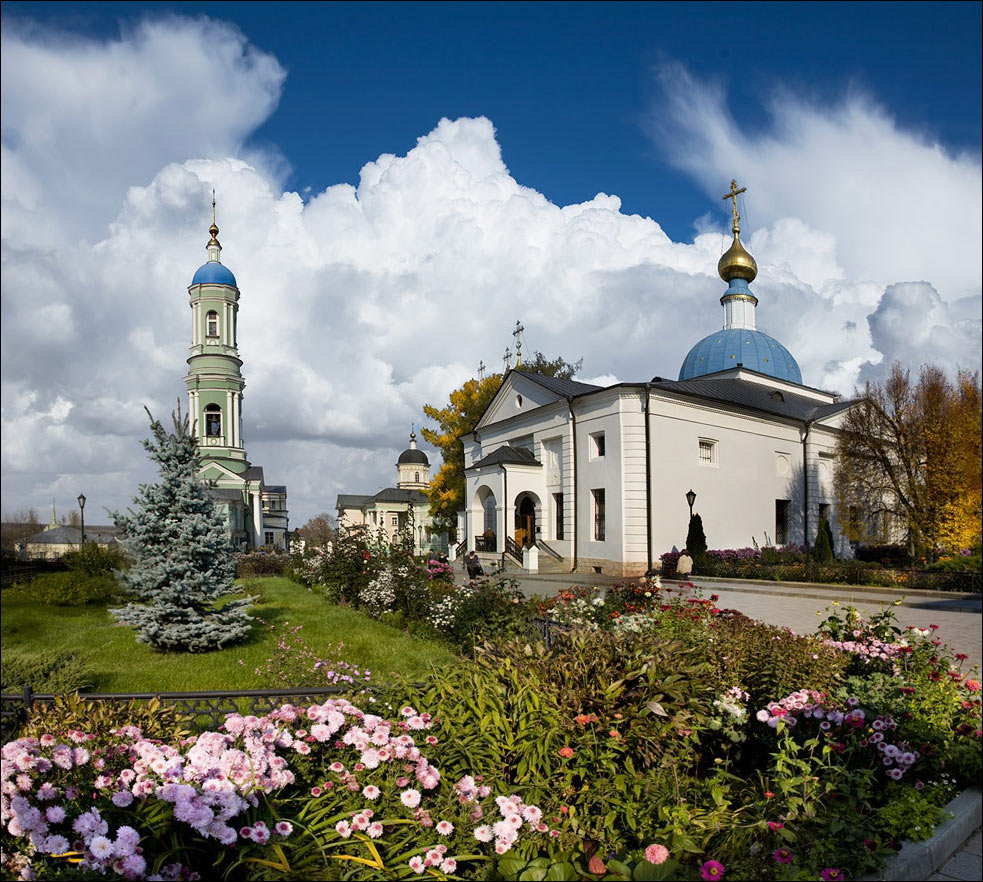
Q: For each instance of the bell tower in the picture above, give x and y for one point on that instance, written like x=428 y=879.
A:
x=214 y=377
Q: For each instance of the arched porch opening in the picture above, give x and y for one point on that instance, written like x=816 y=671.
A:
x=528 y=514
x=485 y=519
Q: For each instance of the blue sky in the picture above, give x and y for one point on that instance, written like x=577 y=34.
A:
x=570 y=86
x=398 y=183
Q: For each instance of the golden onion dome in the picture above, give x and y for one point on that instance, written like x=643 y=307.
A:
x=736 y=262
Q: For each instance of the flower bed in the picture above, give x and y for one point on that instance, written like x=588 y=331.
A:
x=661 y=737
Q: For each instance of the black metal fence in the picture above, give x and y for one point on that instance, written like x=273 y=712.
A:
x=207 y=709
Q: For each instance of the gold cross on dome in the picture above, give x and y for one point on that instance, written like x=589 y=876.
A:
x=508 y=355
x=733 y=194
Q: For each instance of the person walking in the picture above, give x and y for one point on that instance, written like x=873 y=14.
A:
x=473 y=565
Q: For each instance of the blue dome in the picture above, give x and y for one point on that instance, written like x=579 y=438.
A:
x=213 y=273
x=753 y=349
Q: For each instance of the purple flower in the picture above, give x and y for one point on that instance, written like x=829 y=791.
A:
x=712 y=870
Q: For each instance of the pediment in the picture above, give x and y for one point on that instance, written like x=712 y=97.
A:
x=214 y=471
x=517 y=395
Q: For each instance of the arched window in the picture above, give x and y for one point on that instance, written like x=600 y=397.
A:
x=213 y=421
x=416 y=477
x=211 y=321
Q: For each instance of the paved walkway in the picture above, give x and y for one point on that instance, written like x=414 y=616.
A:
x=966 y=864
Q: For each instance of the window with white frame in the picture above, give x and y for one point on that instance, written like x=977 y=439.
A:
x=708 y=452
x=395 y=521
x=597 y=445
x=211 y=324
x=269 y=537
x=597 y=503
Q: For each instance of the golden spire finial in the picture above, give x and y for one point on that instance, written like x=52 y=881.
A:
x=736 y=262
x=518 y=343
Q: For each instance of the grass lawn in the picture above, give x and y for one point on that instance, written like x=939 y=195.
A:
x=120 y=664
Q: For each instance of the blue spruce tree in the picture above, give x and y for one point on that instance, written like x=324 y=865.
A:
x=183 y=558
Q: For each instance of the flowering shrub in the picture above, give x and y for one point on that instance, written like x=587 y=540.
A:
x=125 y=805
x=730 y=714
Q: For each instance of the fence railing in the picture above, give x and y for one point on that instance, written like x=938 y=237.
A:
x=485 y=543
x=547 y=629
x=208 y=709
x=512 y=549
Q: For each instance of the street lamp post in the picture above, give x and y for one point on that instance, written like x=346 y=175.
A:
x=690 y=499
x=81 y=502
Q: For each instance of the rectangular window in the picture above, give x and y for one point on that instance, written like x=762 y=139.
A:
x=598 y=499
x=781 y=522
x=708 y=452
x=395 y=520
x=597 y=445
x=269 y=537
x=558 y=504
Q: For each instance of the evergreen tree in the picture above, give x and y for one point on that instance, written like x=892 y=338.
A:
x=696 y=541
x=822 y=551
x=183 y=558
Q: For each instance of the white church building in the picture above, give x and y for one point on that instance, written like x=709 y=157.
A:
x=597 y=477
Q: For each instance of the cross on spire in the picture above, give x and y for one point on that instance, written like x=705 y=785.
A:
x=508 y=355
x=481 y=369
x=518 y=342
x=732 y=195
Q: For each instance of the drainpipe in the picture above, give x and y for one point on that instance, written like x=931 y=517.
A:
x=805 y=485
x=505 y=511
x=648 y=479
x=573 y=466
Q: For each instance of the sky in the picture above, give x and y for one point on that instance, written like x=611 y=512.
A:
x=397 y=184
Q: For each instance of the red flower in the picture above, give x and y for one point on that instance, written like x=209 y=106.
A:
x=769 y=794
x=566 y=752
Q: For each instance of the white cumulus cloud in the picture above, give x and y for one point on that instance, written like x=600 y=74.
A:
x=363 y=302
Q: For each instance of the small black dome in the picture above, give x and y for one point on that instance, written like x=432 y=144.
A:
x=412 y=456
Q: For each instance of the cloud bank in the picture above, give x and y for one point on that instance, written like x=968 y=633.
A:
x=363 y=303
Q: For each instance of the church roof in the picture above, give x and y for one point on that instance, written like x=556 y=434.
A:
x=253 y=473
x=566 y=388
x=69 y=535
x=755 y=396
x=222 y=493
x=733 y=346
x=274 y=488
x=351 y=500
x=213 y=273
x=508 y=454
x=397 y=494
x=412 y=456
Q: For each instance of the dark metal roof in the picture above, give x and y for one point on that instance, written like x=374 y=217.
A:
x=754 y=396
x=395 y=494
x=68 y=535
x=351 y=500
x=558 y=385
x=274 y=488
x=253 y=473
x=509 y=455
x=412 y=455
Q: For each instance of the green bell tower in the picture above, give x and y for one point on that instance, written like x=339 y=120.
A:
x=214 y=377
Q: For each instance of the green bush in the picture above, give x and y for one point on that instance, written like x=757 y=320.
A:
x=44 y=672
x=93 y=559
x=73 y=588
x=961 y=563
x=263 y=563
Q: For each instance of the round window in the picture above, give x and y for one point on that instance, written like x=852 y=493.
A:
x=518 y=401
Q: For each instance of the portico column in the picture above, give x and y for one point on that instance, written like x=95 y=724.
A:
x=257 y=519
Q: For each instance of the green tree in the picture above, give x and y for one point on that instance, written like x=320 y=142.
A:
x=320 y=530
x=457 y=418
x=822 y=551
x=696 y=541
x=183 y=561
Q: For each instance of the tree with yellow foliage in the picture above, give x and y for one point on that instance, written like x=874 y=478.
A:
x=459 y=417
x=910 y=455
